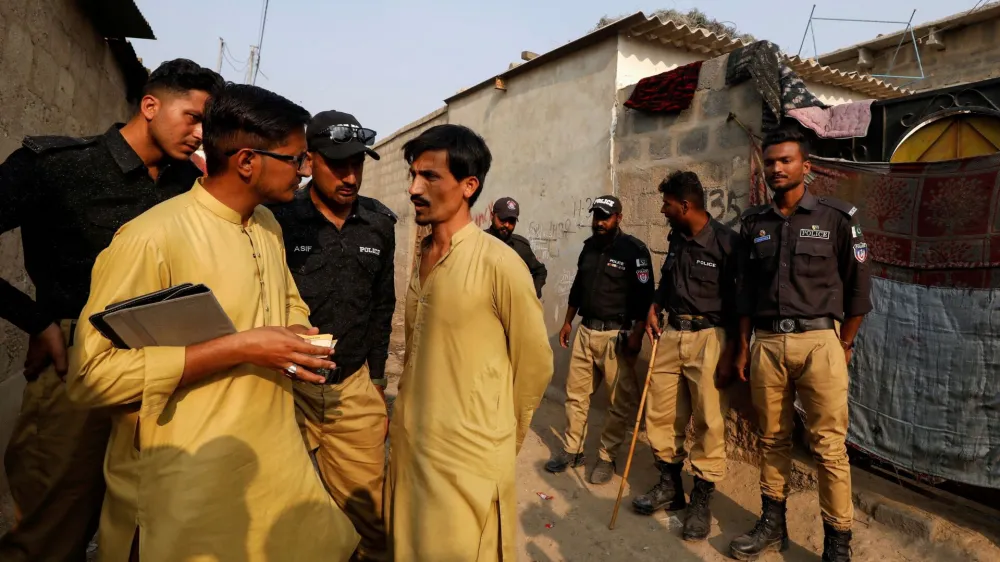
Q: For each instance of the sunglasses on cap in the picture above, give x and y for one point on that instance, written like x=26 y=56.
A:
x=345 y=133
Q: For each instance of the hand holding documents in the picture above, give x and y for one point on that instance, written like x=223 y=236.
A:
x=180 y=316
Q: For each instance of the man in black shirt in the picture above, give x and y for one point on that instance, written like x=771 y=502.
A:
x=694 y=358
x=804 y=292
x=340 y=248
x=612 y=291
x=504 y=215
x=69 y=196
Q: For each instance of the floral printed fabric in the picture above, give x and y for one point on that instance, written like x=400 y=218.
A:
x=933 y=224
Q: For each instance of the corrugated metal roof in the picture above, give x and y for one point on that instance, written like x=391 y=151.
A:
x=968 y=17
x=117 y=19
x=702 y=41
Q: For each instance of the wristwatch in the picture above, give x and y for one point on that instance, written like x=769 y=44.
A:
x=847 y=345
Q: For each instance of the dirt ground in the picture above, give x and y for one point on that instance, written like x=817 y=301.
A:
x=573 y=526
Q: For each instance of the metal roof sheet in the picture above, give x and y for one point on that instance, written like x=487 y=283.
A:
x=696 y=40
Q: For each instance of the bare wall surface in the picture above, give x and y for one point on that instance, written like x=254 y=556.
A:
x=639 y=58
x=57 y=76
x=550 y=135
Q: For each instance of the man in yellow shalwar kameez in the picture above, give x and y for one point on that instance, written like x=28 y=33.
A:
x=205 y=460
x=477 y=363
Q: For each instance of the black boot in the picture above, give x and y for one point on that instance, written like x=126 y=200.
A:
x=667 y=494
x=769 y=534
x=561 y=460
x=836 y=545
x=603 y=471
x=698 y=519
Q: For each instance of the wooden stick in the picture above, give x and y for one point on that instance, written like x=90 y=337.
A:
x=635 y=434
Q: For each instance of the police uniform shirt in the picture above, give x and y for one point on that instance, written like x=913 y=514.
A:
x=614 y=282
x=698 y=277
x=812 y=264
x=69 y=196
x=521 y=245
x=345 y=276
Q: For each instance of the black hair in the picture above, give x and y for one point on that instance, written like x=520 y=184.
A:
x=181 y=76
x=244 y=116
x=684 y=186
x=782 y=136
x=468 y=155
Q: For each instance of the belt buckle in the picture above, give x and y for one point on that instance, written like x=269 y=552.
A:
x=685 y=325
x=784 y=326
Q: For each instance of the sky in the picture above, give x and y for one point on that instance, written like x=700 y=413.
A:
x=389 y=62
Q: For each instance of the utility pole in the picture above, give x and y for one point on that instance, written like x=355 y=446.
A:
x=251 y=64
x=218 y=63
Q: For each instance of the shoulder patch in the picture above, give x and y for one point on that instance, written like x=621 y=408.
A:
x=842 y=206
x=376 y=206
x=42 y=144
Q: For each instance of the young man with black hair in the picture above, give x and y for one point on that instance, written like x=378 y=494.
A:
x=694 y=358
x=69 y=196
x=804 y=292
x=340 y=247
x=477 y=363
x=221 y=468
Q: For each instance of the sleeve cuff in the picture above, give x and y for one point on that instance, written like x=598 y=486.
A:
x=164 y=369
x=298 y=318
x=858 y=307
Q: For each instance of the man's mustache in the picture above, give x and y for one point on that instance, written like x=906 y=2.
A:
x=420 y=201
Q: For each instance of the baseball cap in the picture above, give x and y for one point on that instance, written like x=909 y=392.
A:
x=335 y=143
x=607 y=204
x=506 y=208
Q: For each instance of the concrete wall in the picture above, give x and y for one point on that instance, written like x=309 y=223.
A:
x=388 y=180
x=639 y=57
x=57 y=76
x=970 y=55
x=550 y=135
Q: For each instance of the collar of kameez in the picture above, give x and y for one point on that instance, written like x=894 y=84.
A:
x=218 y=208
x=807 y=203
x=705 y=235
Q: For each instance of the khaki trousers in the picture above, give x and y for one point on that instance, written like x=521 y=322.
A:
x=814 y=365
x=682 y=387
x=595 y=359
x=344 y=428
x=55 y=465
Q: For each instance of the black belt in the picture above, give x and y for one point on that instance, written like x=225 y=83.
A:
x=604 y=325
x=689 y=323
x=793 y=325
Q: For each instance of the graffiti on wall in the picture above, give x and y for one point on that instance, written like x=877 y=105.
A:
x=724 y=206
x=546 y=237
x=483 y=218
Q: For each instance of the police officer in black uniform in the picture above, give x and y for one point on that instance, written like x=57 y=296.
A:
x=340 y=248
x=504 y=220
x=804 y=293
x=69 y=196
x=612 y=291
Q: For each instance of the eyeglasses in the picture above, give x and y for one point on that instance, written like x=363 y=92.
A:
x=345 y=133
x=299 y=161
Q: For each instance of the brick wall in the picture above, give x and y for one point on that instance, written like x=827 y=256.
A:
x=57 y=76
x=388 y=180
x=970 y=55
